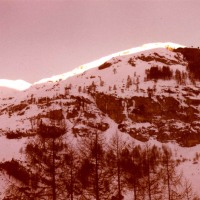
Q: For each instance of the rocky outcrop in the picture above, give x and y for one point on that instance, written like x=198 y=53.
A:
x=110 y=105
x=168 y=118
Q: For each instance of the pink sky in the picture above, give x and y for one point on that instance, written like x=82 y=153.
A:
x=41 y=38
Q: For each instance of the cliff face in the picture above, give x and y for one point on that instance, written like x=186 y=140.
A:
x=167 y=119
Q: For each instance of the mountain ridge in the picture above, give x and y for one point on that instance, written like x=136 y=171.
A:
x=23 y=85
x=123 y=76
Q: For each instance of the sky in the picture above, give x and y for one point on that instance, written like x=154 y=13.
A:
x=42 y=38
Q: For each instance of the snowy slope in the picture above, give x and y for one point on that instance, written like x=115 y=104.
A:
x=93 y=93
x=104 y=79
x=14 y=84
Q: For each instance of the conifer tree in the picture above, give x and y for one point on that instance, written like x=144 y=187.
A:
x=128 y=82
x=114 y=87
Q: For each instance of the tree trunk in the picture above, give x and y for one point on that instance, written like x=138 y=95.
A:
x=71 y=177
x=96 y=169
x=118 y=171
x=53 y=172
x=135 y=190
x=149 y=175
x=168 y=179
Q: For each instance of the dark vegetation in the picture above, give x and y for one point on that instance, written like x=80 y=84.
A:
x=158 y=58
x=131 y=61
x=56 y=170
x=18 y=134
x=156 y=73
x=192 y=55
x=16 y=170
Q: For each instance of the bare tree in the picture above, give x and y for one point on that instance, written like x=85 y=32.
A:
x=172 y=179
x=93 y=171
x=114 y=152
x=152 y=172
x=70 y=171
x=132 y=166
x=43 y=164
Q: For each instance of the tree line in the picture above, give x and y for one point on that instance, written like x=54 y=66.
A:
x=94 y=168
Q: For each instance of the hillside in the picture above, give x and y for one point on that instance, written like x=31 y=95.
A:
x=149 y=93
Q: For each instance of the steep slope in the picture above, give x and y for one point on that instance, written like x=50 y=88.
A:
x=148 y=94
x=145 y=93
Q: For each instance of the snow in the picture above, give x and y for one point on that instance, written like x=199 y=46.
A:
x=85 y=67
x=88 y=73
x=11 y=148
x=15 y=84
x=83 y=76
x=84 y=72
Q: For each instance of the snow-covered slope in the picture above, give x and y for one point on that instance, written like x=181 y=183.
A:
x=145 y=93
x=14 y=84
x=102 y=60
x=109 y=78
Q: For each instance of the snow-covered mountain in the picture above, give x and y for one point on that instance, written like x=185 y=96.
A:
x=148 y=93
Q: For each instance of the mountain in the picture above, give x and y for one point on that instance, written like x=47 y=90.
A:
x=149 y=93
x=16 y=84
